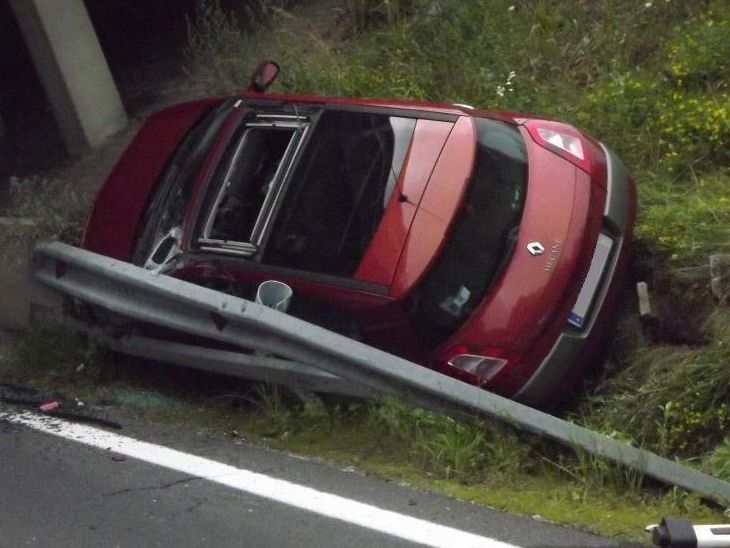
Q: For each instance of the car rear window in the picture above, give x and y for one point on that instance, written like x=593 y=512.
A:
x=481 y=238
x=338 y=192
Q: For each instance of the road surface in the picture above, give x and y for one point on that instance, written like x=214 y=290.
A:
x=72 y=485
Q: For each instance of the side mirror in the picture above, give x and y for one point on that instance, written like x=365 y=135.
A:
x=263 y=76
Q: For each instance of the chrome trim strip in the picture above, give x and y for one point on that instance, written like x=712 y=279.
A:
x=274 y=185
x=609 y=180
x=230 y=251
x=226 y=183
x=265 y=115
x=274 y=195
x=275 y=124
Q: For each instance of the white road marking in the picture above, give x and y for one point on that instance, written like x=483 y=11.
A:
x=285 y=492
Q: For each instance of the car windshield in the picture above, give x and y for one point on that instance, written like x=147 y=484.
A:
x=481 y=239
x=339 y=191
x=173 y=194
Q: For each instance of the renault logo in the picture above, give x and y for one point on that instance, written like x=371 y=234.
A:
x=535 y=248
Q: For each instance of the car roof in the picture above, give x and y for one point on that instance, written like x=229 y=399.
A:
x=416 y=106
x=420 y=109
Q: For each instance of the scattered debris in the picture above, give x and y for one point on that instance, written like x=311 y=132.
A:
x=665 y=322
x=720 y=277
x=49 y=406
x=145 y=399
x=680 y=533
x=642 y=290
x=55 y=406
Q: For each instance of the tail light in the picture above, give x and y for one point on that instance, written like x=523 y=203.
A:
x=481 y=362
x=562 y=139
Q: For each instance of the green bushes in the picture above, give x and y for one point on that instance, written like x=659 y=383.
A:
x=694 y=115
x=217 y=43
x=719 y=461
x=622 y=109
x=220 y=53
x=650 y=78
x=621 y=69
x=673 y=400
x=699 y=51
x=444 y=51
x=672 y=111
x=694 y=130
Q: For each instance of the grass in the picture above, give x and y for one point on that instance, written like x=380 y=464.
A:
x=31 y=198
x=684 y=394
x=52 y=359
x=686 y=220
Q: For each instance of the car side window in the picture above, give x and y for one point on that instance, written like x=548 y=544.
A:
x=339 y=191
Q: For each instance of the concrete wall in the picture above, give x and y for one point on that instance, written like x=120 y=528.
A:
x=19 y=292
x=72 y=69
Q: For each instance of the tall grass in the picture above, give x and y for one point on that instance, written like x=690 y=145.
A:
x=450 y=448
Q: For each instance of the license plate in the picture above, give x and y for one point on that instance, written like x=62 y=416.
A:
x=579 y=313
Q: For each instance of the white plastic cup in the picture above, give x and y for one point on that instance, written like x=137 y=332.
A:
x=274 y=294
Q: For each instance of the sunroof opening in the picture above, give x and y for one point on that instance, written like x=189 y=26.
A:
x=249 y=183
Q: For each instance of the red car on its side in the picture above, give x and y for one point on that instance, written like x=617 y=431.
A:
x=487 y=245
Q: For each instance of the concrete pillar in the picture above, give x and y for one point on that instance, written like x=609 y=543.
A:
x=73 y=70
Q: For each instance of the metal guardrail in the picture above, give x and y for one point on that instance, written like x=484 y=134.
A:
x=136 y=293
x=245 y=365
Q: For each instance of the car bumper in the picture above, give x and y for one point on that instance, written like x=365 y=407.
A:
x=618 y=218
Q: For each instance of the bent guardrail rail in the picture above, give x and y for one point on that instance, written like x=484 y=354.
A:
x=136 y=293
x=249 y=366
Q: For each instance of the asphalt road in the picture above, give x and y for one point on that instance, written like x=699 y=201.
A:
x=59 y=492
